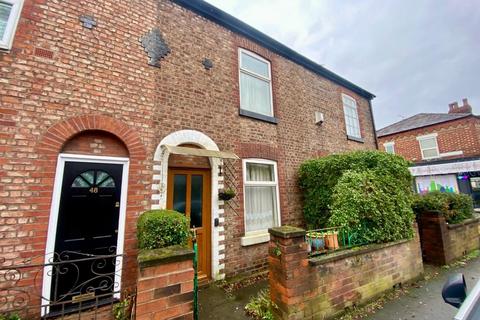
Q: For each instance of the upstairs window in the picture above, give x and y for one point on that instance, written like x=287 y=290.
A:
x=429 y=146
x=351 y=117
x=389 y=147
x=255 y=84
x=261 y=195
x=9 y=16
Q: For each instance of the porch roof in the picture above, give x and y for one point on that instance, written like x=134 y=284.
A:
x=201 y=152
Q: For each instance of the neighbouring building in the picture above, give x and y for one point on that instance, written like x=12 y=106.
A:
x=444 y=147
x=110 y=108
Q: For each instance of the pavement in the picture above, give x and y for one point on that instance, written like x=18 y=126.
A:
x=214 y=303
x=425 y=302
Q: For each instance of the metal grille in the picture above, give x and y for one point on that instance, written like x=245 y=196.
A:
x=92 y=290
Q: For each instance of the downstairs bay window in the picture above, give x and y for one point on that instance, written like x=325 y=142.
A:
x=261 y=203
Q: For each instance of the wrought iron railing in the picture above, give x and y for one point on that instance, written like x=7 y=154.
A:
x=327 y=240
x=62 y=284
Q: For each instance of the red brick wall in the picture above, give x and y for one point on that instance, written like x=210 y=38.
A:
x=323 y=287
x=98 y=143
x=443 y=243
x=458 y=135
x=165 y=290
x=60 y=77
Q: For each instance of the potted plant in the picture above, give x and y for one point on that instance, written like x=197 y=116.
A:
x=226 y=194
x=331 y=240
x=316 y=241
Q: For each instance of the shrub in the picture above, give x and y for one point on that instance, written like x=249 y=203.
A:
x=162 y=228
x=260 y=307
x=455 y=207
x=371 y=207
x=318 y=178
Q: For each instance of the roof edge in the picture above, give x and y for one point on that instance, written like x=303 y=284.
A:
x=226 y=20
x=379 y=135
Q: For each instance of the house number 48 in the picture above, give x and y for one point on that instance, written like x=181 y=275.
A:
x=93 y=190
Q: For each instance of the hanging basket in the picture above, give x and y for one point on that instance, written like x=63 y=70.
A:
x=226 y=195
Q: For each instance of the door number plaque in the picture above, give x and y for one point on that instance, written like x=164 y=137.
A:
x=83 y=297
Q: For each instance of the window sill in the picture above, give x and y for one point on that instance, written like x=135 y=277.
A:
x=352 y=138
x=258 y=116
x=250 y=240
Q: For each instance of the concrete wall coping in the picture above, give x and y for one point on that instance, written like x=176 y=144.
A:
x=343 y=254
x=154 y=257
x=463 y=223
x=287 y=232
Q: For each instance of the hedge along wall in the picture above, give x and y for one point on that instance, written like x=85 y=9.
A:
x=323 y=287
x=443 y=243
x=367 y=192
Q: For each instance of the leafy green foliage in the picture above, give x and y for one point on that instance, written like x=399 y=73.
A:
x=121 y=310
x=455 y=207
x=12 y=316
x=162 y=228
x=318 y=178
x=260 y=307
x=371 y=207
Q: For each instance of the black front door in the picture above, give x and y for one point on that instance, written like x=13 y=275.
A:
x=87 y=231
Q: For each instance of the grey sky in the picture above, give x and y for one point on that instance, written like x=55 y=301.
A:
x=414 y=55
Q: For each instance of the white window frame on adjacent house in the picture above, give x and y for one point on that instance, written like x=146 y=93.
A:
x=388 y=145
x=422 y=149
x=259 y=236
x=7 y=39
x=255 y=75
x=352 y=123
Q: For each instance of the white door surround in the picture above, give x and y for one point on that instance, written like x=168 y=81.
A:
x=159 y=187
x=54 y=208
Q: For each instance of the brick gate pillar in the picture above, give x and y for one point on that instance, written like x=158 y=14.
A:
x=165 y=284
x=288 y=271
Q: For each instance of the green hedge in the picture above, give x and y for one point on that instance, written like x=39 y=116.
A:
x=371 y=207
x=455 y=207
x=162 y=228
x=318 y=178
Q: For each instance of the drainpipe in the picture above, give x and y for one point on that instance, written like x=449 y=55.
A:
x=373 y=123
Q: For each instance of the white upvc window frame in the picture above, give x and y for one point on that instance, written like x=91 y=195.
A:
x=259 y=236
x=255 y=75
x=7 y=40
x=427 y=137
x=387 y=145
x=356 y=119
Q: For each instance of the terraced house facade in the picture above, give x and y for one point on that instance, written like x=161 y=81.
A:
x=110 y=108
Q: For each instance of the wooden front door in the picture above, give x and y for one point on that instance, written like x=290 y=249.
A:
x=189 y=192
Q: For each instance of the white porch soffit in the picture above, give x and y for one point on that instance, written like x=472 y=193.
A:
x=446 y=168
x=201 y=152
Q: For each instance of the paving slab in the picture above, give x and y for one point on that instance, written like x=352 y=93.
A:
x=425 y=302
x=214 y=303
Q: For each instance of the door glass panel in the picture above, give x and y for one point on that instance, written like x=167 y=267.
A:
x=107 y=183
x=89 y=176
x=196 y=204
x=179 y=192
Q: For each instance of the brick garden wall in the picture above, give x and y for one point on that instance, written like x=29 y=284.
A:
x=322 y=287
x=443 y=243
x=61 y=80
x=165 y=284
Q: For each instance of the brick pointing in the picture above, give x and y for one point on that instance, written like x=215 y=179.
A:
x=458 y=135
x=306 y=288
x=61 y=80
x=165 y=291
x=443 y=243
